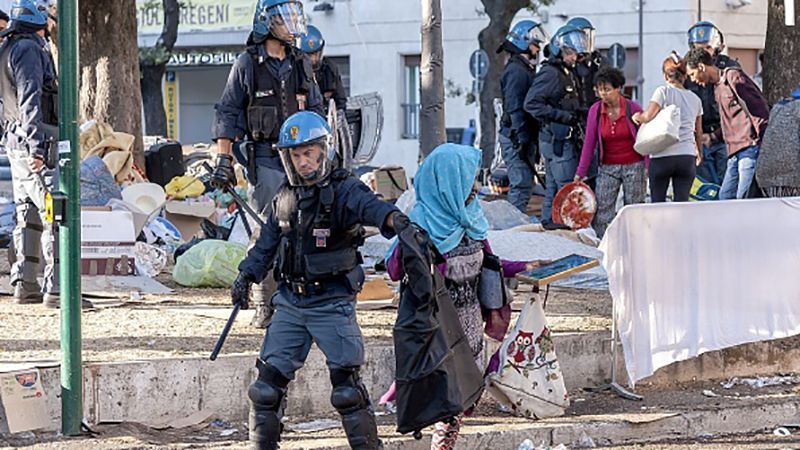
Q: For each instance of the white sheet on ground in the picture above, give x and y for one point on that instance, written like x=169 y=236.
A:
x=689 y=278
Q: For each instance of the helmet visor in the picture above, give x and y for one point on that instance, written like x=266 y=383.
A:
x=537 y=35
x=591 y=35
x=706 y=34
x=575 y=40
x=289 y=15
x=307 y=164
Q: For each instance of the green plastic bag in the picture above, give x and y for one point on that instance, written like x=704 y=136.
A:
x=211 y=263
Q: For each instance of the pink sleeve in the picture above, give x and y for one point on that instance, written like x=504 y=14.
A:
x=394 y=266
x=589 y=141
x=510 y=268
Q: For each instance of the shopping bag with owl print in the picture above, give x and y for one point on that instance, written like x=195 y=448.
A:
x=528 y=378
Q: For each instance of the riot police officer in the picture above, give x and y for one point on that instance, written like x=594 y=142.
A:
x=707 y=36
x=588 y=63
x=519 y=132
x=315 y=228
x=325 y=72
x=30 y=124
x=268 y=83
x=554 y=100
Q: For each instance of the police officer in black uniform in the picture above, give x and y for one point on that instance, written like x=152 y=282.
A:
x=315 y=228
x=519 y=131
x=707 y=36
x=554 y=100
x=325 y=72
x=268 y=83
x=30 y=124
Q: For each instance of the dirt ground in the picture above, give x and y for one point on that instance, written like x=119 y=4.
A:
x=585 y=407
x=188 y=322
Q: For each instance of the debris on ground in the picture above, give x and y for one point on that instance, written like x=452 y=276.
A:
x=710 y=393
x=761 y=382
x=315 y=425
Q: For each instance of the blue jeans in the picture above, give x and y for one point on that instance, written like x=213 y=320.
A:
x=715 y=163
x=520 y=175
x=741 y=169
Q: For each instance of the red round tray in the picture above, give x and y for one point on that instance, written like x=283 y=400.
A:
x=575 y=206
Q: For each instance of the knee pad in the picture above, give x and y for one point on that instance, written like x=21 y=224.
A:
x=348 y=393
x=269 y=389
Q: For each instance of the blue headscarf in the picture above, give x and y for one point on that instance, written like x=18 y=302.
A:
x=442 y=184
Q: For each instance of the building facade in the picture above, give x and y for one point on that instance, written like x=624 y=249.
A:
x=376 y=44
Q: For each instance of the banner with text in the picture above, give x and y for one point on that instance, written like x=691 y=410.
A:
x=197 y=15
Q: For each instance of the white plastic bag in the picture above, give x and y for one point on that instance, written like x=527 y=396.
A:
x=660 y=133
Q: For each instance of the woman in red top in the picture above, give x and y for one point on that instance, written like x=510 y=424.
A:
x=610 y=129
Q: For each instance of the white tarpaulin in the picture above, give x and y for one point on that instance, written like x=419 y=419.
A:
x=689 y=278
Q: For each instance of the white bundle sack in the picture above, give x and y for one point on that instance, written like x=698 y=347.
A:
x=660 y=133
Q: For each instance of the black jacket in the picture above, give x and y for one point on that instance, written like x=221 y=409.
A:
x=517 y=79
x=553 y=97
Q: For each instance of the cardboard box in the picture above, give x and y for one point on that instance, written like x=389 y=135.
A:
x=107 y=242
x=187 y=216
x=390 y=182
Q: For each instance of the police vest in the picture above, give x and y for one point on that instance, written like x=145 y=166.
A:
x=315 y=247
x=8 y=87
x=273 y=100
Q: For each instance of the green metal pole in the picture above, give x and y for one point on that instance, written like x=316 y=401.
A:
x=70 y=231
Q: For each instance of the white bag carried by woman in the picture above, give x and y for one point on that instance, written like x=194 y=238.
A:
x=529 y=379
x=660 y=133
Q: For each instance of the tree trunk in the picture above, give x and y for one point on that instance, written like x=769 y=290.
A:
x=501 y=13
x=781 y=69
x=432 y=126
x=109 y=68
x=153 y=65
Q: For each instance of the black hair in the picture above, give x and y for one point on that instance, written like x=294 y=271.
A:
x=697 y=56
x=610 y=75
x=4 y=16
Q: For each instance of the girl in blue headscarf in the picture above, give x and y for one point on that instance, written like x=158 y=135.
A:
x=448 y=210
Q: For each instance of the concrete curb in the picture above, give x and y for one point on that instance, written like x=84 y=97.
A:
x=607 y=431
x=151 y=390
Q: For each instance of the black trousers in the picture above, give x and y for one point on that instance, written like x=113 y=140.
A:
x=679 y=169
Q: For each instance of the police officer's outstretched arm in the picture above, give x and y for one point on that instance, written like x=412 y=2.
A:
x=255 y=266
x=27 y=68
x=368 y=209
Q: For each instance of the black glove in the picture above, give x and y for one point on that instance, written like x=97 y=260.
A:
x=400 y=222
x=223 y=176
x=240 y=291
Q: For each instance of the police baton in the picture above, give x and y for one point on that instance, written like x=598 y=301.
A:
x=225 y=331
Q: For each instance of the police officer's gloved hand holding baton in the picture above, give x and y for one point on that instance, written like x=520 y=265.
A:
x=223 y=176
x=240 y=291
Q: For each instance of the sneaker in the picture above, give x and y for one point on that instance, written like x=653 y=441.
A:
x=26 y=293
x=53 y=300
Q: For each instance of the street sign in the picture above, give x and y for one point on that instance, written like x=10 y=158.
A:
x=616 y=54
x=479 y=64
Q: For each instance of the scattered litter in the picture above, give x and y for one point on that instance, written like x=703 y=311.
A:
x=586 y=441
x=228 y=432
x=504 y=408
x=219 y=423
x=527 y=444
x=194 y=419
x=782 y=431
x=578 y=400
x=315 y=425
x=390 y=408
x=710 y=393
x=761 y=382
x=150 y=260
